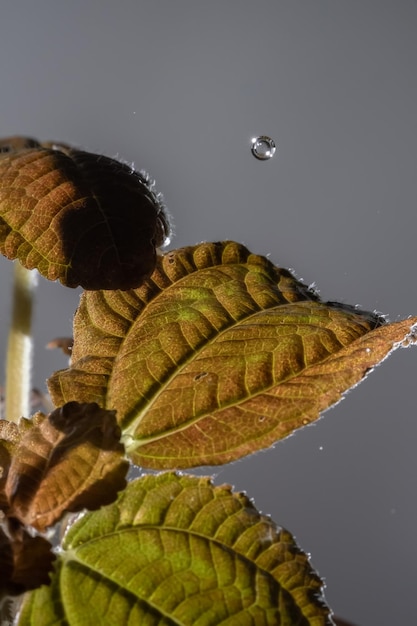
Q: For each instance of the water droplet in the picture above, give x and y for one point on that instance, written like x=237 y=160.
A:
x=321 y=448
x=368 y=350
x=306 y=421
x=263 y=147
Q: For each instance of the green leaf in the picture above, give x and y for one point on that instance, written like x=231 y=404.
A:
x=175 y=550
x=65 y=461
x=219 y=354
x=78 y=217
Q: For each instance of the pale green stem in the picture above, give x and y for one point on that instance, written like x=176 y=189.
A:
x=19 y=349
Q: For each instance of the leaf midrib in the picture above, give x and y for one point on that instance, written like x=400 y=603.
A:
x=71 y=554
x=130 y=430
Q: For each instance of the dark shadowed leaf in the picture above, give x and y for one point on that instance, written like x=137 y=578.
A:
x=177 y=550
x=219 y=354
x=25 y=561
x=65 y=461
x=7 y=611
x=82 y=218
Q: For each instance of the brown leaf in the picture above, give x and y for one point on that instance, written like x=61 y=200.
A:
x=82 y=218
x=9 y=438
x=25 y=561
x=63 y=343
x=14 y=144
x=219 y=354
x=65 y=461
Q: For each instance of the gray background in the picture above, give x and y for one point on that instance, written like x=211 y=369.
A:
x=180 y=88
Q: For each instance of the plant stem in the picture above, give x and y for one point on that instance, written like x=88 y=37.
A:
x=19 y=349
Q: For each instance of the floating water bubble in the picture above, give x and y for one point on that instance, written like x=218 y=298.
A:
x=263 y=147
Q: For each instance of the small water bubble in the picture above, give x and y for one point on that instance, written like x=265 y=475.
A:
x=306 y=421
x=368 y=350
x=263 y=147
x=321 y=448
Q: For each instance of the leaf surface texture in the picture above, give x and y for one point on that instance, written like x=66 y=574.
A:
x=78 y=217
x=219 y=354
x=176 y=550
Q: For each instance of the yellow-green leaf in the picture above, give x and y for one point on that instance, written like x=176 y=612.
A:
x=217 y=355
x=78 y=217
x=177 y=550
